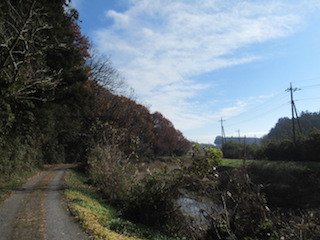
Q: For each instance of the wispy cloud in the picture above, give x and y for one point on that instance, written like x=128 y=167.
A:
x=76 y=3
x=160 y=45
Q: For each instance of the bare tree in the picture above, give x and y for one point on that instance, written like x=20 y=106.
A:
x=105 y=74
x=23 y=44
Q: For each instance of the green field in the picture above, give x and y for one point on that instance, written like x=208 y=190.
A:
x=240 y=162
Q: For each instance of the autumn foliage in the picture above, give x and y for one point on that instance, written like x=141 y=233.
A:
x=143 y=134
x=58 y=100
x=168 y=140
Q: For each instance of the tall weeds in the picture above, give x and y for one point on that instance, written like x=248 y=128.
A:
x=110 y=170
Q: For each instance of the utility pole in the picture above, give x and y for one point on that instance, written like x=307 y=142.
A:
x=244 y=150
x=223 y=135
x=238 y=135
x=293 y=112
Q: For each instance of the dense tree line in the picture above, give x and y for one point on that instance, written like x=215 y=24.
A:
x=248 y=140
x=278 y=144
x=58 y=101
x=305 y=148
x=239 y=150
x=307 y=121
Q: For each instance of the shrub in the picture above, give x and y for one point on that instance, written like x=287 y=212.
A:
x=19 y=156
x=150 y=202
x=53 y=152
x=310 y=147
x=205 y=165
x=110 y=171
x=244 y=213
x=214 y=156
x=233 y=149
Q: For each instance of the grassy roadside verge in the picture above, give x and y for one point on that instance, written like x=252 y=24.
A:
x=12 y=183
x=98 y=218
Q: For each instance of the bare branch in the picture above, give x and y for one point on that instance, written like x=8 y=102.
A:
x=22 y=65
x=103 y=73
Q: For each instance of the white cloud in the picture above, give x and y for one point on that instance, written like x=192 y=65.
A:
x=239 y=108
x=120 y=19
x=76 y=3
x=159 y=45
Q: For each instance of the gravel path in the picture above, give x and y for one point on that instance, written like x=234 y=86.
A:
x=60 y=225
x=37 y=211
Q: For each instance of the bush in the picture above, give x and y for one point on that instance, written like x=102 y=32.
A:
x=150 y=202
x=110 y=171
x=204 y=164
x=244 y=213
x=53 y=152
x=19 y=156
x=310 y=147
x=233 y=150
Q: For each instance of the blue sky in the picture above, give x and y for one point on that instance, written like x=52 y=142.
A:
x=197 y=61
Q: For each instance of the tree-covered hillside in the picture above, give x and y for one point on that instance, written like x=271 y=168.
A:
x=279 y=143
x=58 y=101
x=283 y=128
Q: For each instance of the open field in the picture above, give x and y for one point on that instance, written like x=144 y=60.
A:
x=240 y=162
x=172 y=163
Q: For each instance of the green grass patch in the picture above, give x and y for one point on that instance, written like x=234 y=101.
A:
x=235 y=162
x=9 y=184
x=279 y=164
x=98 y=218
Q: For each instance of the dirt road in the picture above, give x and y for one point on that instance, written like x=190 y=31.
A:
x=37 y=211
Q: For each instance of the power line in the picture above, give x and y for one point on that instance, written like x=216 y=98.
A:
x=279 y=96
x=304 y=99
x=269 y=101
x=258 y=115
x=306 y=80
x=311 y=86
x=257 y=111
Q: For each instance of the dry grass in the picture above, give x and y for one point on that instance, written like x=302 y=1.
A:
x=96 y=216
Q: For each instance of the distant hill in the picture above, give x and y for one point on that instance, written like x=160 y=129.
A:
x=283 y=128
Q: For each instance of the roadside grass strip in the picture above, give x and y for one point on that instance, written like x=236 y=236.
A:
x=9 y=184
x=98 y=219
